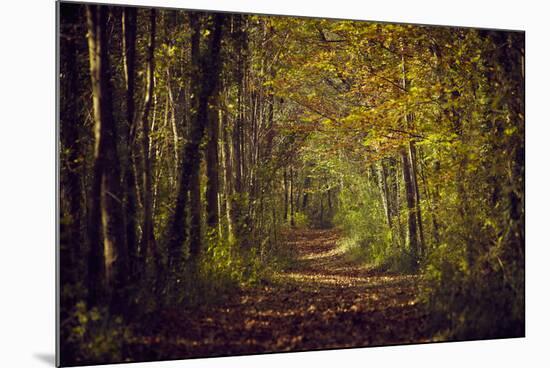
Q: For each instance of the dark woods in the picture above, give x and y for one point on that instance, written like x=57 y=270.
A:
x=160 y=154
x=191 y=142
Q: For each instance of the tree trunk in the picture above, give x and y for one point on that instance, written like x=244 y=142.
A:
x=409 y=174
x=322 y=212
x=432 y=199
x=148 y=236
x=177 y=232
x=386 y=200
x=129 y=180
x=71 y=168
x=418 y=209
x=239 y=154
x=212 y=165
x=411 y=216
x=228 y=170
x=195 y=238
x=394 y=169
x=175 y=134
x=205 y=81
x=291 y=189
x=307 y=183
x=285 y=186
x=109 y=256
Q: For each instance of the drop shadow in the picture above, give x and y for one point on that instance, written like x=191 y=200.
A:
x=47 y=358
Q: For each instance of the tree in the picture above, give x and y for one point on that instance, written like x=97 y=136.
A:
x=212 y=165
x=70 y=116
x=206 y=70
x=148 y=242
x=129 y=21
x=108 y=252
x=209 y=137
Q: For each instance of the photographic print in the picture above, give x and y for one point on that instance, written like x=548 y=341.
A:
x=235 y=184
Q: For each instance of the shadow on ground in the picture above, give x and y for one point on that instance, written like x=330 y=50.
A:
x=321 y=302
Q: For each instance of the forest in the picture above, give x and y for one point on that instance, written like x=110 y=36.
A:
x=237 y=184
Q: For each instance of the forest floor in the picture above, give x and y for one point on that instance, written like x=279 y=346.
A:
x=322 y=301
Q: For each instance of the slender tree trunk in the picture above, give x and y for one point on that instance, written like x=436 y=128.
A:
x=237 y=203
x=106 y=188
x=409 y=174
x=307 y=183
x=195 y=210
x=386 y=200
x=291 y=189
x=212 y=166
x=432 y=200
x=71 y=169
x=396 y=188
x=148 y=243
x=285 y=186
x=321 y=217
x=175 y=134
x=129 y=45
x=239 y=154
x=228 y=170
x=418 y=208
x=210 y=66
x=409 y=194
x=206 y=71
x=177 y=232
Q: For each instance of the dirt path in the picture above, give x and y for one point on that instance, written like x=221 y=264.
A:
x=321 y=302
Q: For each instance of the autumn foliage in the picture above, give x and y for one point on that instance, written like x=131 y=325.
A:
x=237 y=184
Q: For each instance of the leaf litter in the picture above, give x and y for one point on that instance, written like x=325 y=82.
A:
x=322 y=301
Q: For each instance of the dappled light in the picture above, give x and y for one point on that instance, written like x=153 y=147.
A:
x=311 y=306
x=240 y=184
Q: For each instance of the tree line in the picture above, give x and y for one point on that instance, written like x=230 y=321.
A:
x=421 y=132
x=189 y=140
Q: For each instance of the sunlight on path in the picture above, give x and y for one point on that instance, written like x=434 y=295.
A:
x=322 y=301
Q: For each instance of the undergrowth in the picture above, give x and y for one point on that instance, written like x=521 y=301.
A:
x=386 y=259
x=367 y=238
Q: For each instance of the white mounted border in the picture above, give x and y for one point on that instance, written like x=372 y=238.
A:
x=27 y=184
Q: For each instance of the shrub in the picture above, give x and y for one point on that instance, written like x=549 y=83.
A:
x=473 y=302
x=93 y=335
